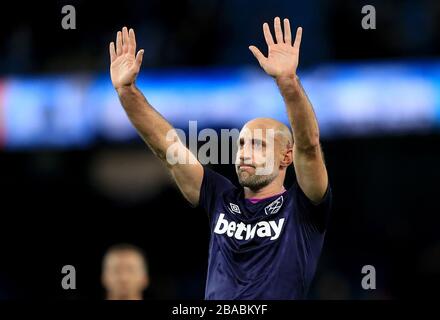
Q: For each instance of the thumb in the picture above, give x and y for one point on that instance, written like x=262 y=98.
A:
x=139 y=57
x=257 y=54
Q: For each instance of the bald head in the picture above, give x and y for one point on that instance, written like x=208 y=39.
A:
x=282 y=132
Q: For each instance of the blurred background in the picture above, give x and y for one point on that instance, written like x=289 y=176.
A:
x=75 y=178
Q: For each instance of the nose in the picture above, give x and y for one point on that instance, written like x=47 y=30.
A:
x=246 y=160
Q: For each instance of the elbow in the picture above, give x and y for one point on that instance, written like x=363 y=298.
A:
x=164 y=158
x=310 y=146
x=161 y=155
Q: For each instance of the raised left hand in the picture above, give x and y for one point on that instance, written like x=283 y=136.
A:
x=283 y=57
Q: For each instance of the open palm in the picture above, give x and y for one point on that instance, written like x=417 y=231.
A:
x=124 y=66
x=283 y=57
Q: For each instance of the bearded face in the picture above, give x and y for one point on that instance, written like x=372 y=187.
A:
x=255 y=162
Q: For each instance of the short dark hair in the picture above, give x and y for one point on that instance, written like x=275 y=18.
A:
x=119 y=247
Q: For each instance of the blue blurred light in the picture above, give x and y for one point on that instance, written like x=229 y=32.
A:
x=349 y=99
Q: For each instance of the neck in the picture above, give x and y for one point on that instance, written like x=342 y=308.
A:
x=272 y=189
x=132 y=296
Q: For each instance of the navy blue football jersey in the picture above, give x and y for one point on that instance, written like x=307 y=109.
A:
x=263 y=250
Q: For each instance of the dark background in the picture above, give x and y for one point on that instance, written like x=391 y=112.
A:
x=67 y=206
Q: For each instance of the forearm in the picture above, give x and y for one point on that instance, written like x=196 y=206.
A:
x=301 y=115
x=149 y=123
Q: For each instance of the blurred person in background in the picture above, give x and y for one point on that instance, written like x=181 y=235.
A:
x=125 y=273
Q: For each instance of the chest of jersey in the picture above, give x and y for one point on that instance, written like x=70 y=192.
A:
x=243 y=225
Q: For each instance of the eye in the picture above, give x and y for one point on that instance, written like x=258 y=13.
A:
x=257 y=143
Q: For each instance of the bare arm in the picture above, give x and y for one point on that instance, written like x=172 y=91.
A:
x=281 y=63
x=150 y=125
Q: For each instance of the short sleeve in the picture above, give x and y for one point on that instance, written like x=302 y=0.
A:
x=213 y=186
x=316 y=215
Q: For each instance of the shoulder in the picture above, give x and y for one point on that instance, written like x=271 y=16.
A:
x=214 y=186
x=314 y=214
x=301 y=197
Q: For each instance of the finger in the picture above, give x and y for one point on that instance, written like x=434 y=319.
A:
x=112 y=51
x=267 y=34
x=124 y=40
x=257 y=54
x=119 y=43
x=278 y=31
x=131 y=42
x=298 y=37
x=287 y=32
x=139 y=57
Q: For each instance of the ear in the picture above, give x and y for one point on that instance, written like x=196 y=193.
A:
x=104 y=279
x=287 y=158
x=145 y=282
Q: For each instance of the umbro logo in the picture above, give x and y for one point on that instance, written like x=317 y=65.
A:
x=234 y=208
x=274 y=206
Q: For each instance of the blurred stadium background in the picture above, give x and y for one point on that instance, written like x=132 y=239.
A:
x=75 y=178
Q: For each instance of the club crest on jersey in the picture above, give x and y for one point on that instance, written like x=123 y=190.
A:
x=234 y=208
x=274 y=206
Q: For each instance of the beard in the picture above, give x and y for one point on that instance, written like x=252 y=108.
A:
x=253 y=181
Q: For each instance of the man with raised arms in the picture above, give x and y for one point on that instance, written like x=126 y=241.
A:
x=265 y=239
